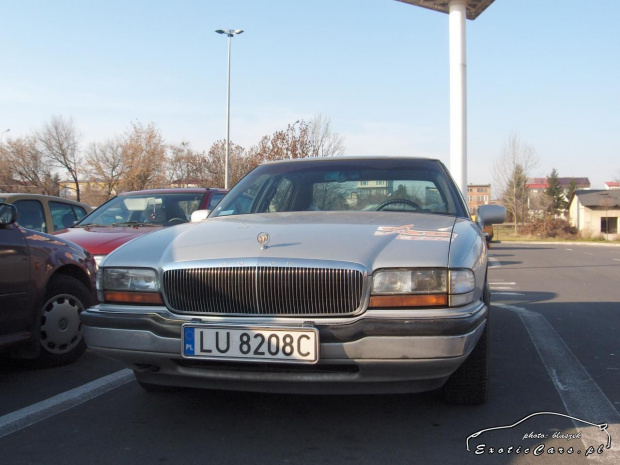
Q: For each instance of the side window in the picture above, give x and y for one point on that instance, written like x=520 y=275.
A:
x=282 y=197
x=63 y=215
x=215 y=199
x=31 y=214
x=79 y=212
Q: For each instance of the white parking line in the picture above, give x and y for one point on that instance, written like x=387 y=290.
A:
x=507 y=293
x=501 y=283
x=582 y=397
x=45 y=409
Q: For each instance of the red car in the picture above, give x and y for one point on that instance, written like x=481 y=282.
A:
x=45 y=283
x=132 y=214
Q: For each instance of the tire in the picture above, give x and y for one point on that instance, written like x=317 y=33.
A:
x=469 y=384
x=61 y=338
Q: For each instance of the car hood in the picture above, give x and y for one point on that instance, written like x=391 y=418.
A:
x=101 y=240
x=373 y=240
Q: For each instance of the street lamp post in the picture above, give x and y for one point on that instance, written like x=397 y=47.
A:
x=2 y=135
x=230 y=33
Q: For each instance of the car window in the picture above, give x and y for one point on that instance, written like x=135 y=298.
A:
x=162 y=209
x=215 y=199
x=31 y=214
x=79 y=212
x=349 y=186
x=64 y=215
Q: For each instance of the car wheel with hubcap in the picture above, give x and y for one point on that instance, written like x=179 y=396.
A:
x=62 y=341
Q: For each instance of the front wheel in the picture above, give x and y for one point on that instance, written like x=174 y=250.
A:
x=468 y=385
x=62 y=341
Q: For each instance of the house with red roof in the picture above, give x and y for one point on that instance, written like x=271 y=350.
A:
x=538 y=185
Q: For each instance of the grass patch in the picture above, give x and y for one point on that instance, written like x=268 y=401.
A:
x=506 y=233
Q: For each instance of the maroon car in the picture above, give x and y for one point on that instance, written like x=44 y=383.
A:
x=132 y=214
x=45 y=283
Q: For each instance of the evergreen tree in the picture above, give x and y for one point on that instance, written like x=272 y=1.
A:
x=555 y=192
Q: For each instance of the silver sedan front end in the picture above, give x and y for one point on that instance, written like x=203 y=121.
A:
x=379 y=351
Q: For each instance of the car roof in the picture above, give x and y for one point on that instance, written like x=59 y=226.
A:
x=175 y=190
x=350 y=158
x=11 y=196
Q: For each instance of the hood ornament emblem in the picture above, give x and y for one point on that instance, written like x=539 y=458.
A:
x=263 y=239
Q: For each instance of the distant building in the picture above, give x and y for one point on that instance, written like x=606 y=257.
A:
x=538 y=185
x=595 y=212
x=368 y=189
x=612 y=185
x=478 y=194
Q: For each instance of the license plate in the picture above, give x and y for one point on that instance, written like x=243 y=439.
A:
x=292 y=345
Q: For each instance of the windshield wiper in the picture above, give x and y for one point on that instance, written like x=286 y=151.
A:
x=133 y=223
x=89 y=225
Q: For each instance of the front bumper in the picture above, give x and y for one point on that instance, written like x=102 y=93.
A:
x=378 y=351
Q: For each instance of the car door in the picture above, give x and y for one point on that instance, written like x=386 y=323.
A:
x=31 y=214
x=15 y=298
x=64 y=215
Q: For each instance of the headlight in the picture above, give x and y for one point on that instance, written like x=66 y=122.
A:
x=129 y=279
x=129 y=285
x=424 y=287
x=423 y=281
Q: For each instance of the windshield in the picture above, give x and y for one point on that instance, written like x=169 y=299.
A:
x=165 y=209
x=357 y=184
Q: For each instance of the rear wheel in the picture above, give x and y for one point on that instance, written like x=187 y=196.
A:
x=62 y=341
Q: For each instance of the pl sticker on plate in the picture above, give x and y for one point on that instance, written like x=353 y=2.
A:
x=189 y=343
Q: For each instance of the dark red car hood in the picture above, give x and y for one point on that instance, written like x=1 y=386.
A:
x=101 y=240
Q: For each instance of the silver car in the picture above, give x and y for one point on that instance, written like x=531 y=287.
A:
x=324 y=275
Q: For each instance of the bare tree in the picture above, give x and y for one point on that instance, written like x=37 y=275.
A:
x=59 y=142
x=239 y=163
x=186 y=168
x=107 y=167
x=300 y=139
x=324 y=142
x=511 y=173
x=144 y=157
x=292 y=142
x=331 y=196
x=26 y=169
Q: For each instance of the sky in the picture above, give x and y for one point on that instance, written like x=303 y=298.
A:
x=547 y=71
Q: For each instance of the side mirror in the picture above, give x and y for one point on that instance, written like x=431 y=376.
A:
x=491 y=214
x=199 y=215
x=8 y=214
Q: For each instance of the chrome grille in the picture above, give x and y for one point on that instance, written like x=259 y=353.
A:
x=264 y=290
